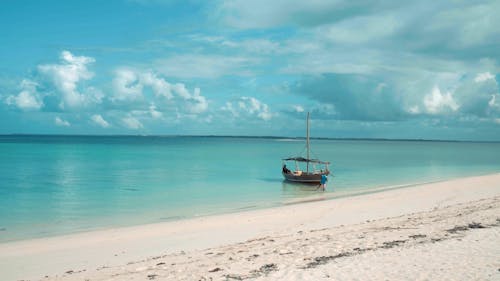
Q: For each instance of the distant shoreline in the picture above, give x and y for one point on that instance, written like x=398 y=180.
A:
x=242 y=137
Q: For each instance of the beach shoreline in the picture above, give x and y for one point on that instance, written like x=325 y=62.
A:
x=319 y=196
x=102 y=254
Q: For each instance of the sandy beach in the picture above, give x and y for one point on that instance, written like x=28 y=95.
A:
x=445 y=230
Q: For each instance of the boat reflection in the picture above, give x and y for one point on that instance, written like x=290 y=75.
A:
x=295 y=189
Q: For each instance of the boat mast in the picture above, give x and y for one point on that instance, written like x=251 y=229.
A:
x=307 y=141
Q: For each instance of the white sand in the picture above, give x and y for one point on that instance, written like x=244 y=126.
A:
x=406 y=233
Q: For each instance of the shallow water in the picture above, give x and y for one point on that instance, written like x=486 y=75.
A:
x=51 y=185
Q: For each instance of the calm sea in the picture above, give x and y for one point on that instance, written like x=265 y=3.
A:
x=51 y=185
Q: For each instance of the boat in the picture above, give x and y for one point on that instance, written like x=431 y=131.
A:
x=312 y=173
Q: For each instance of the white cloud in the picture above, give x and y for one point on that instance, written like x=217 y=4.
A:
x=97 y=118
x=132 y=123
x=437 y=102
x=181 y=91
x=196 y=103
x=228 y=107
x=66 y=77
x=256 y=46
x=248 y=107
x=478 y=98
x=369 y=28
x=126 y=86
x=265 y=115
x=28 y=98
x=61 y=122
x=414 y=109
x=130 y=84
x=205 y=66
x=298 y=108
x=492 y=102
x=154 y=113
x=159 y=85
x=481 y=77
x=470 y=23
x=94 y=95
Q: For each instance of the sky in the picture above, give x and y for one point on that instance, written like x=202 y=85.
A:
x=363 y=69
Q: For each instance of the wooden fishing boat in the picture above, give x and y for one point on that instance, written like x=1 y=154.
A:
x=314 y=168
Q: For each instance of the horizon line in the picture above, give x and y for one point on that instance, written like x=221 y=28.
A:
x=248 y=137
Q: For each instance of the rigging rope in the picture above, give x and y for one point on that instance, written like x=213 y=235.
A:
x=310 y=152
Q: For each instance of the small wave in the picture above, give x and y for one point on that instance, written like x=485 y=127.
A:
x=130 y=189
x=246 y=207
x=171 y=218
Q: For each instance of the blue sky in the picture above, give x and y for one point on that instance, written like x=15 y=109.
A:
x=364 y=69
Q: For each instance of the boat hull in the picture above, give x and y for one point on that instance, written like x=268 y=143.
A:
x=305 y=177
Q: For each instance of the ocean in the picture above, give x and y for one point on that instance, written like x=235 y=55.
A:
x=53 y=185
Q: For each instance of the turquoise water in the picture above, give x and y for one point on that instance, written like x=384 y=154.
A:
x=52 y=185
